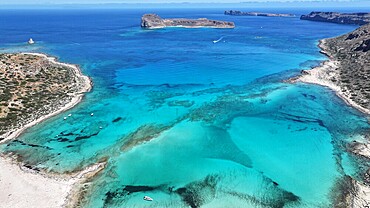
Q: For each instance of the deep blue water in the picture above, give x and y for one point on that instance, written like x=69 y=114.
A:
x=187 y=121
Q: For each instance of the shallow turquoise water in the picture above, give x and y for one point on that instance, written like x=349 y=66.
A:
x=189 y=122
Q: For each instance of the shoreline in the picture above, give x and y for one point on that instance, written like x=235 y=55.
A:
x=76 y=99
x=28 y=188
x=325 y=75
x=322 y=75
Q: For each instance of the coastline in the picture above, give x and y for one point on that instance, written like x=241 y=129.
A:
x=67 y=184
x=23 y=187
x=77 y=97
x=326 y=75
x=28 y=188
x=323 y=75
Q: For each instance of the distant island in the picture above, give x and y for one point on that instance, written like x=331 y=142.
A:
x=336 y=17
x=240 y=13
x=153 y=21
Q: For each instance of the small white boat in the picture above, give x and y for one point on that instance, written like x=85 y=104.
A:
x=91 y=114
x=30 y=41
x=65 y=118
x=69 y=115
x=147 y=198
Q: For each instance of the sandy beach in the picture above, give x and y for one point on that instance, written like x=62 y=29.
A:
x=22 y=187
x=324 y=74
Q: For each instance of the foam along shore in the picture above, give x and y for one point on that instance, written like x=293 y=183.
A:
x=85 y=86
x=24 y=188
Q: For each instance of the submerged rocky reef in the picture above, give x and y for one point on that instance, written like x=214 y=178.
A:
x=153 y=21
x=336 y=17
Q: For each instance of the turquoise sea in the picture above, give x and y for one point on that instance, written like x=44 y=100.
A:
x=186 y=121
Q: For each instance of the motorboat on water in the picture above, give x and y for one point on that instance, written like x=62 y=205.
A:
x=147 y=198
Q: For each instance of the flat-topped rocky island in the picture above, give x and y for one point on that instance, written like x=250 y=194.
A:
x=153 y=21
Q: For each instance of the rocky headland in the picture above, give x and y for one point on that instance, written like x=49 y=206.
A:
x=153 y=21
x=340 y=18
x=348 y=69
x=35 y=87
x=240 y=13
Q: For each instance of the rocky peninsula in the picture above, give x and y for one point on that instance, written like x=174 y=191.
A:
x=153 y=21
x=340 y=18
x=348 y=69
x=240 y=13
x=35 y=87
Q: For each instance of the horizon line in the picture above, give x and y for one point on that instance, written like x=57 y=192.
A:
x=217 y=2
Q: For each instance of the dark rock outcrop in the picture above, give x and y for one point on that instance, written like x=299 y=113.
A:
x=240 y=13
x=153 y=21
x=340 y=18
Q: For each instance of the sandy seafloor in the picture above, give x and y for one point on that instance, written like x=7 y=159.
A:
x=187 y=121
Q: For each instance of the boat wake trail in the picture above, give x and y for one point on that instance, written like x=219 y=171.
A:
x=216 y=41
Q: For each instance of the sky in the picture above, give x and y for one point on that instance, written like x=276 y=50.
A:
x=327 y=5
x=50 y=2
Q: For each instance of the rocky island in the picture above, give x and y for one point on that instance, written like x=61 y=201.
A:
x=153 y=21
x=340 y=18
x=34 y=87
x=240 y=13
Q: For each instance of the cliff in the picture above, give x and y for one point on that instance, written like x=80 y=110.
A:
x=240 y=13
x=153 y=21
x=340 y=18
